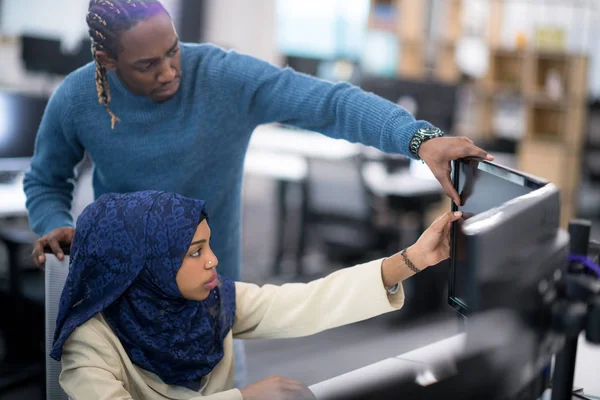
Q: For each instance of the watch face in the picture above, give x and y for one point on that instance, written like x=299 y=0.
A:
x=430 y=132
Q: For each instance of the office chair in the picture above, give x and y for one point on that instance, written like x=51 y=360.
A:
x=340 y=213
x=56 y=275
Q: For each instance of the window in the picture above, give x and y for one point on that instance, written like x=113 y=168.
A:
x=324 y=29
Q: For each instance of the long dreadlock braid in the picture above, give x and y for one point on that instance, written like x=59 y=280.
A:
x=106 y=21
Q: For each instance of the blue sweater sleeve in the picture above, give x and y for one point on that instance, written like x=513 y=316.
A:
x=340 y=110
x=48 y=185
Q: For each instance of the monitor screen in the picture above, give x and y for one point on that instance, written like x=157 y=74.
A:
x=481 y=186
x=20 y=117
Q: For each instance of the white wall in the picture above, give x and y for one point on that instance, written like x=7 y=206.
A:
x=64 y=20
x=250 y=26
x=245 y=25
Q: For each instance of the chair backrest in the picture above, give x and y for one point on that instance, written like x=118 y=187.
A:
x=336 y=190
x=56 y=275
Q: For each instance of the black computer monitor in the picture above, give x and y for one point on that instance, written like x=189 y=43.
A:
x=482 y=186
x=20 y=117
x=518 y=247
x=426 y=99
x=40 y=54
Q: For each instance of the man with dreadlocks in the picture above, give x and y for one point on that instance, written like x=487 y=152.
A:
x=154 y=113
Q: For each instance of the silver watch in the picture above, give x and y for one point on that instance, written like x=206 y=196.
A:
x=423 y=135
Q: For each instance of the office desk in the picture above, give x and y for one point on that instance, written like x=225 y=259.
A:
x=12 y=200
x=412 y=189
x=281 y=153
x=284 y=169
x=411 y=362
x=302 y=143
x=405 y=182
x=442 y=353
x=281 y=167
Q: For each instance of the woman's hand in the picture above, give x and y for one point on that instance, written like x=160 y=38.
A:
x=434 y=244
x=277 y=388
x=432 y=247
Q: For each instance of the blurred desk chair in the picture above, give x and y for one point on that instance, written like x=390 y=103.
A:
x=56 y=275
x=295 y=148
x=407 y=189
x=21 y=316
x=412 y=190
x=338 y=210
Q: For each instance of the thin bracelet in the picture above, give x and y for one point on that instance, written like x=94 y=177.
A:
x=409 y=263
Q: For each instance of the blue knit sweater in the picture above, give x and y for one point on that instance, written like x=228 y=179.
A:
x=193 y=144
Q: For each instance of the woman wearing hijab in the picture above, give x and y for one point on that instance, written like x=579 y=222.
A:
x=144 y=315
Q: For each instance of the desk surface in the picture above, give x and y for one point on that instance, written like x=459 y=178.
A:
x=410 y=182
x=586 y=371
x=303 y=143
x=12 y=199
x=446 y=348
x=413 y=361
x=286 y=167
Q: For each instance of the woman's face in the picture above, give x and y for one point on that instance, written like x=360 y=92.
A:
x=197 y=275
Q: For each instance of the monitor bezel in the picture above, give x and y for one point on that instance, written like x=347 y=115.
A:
x=526 y=180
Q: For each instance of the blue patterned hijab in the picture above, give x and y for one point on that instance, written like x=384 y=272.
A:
x=125 y=256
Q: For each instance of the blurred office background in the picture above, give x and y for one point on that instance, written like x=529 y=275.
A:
x=520 y=77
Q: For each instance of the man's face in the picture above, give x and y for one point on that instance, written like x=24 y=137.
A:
x=149 y=59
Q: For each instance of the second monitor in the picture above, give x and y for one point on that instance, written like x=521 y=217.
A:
x=481 y=187
x=20 y=118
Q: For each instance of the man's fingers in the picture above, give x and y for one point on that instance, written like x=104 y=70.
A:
x=38 y=252
x=466 y=149
x=448 y=187
x=55 y=246
x=472 y=151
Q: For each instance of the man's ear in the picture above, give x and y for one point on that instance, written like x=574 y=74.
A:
x=107 y=61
